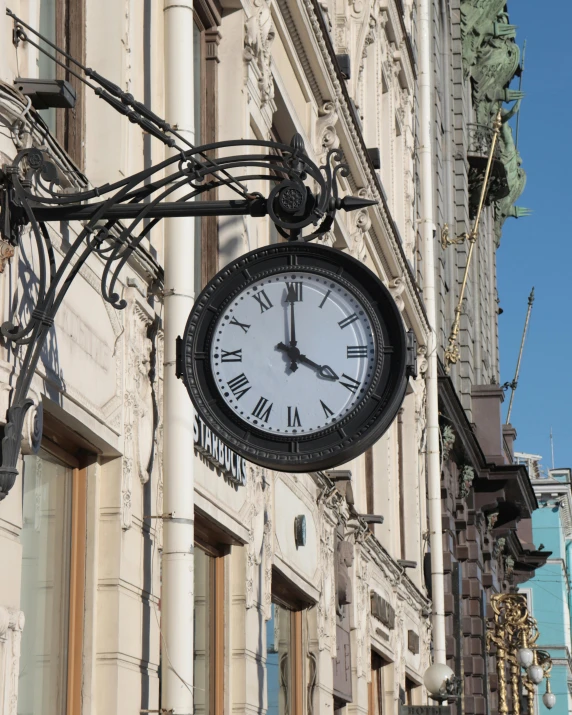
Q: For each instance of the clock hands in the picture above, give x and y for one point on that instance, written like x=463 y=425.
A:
x=291 y=297
x=296 y=356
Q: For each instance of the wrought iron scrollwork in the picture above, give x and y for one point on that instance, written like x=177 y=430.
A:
x=117 y=217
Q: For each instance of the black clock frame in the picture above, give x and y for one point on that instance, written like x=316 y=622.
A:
x=337 y=443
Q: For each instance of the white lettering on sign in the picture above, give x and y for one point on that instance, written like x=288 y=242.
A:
x=218 y=454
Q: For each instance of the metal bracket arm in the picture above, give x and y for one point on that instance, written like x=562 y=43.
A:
x=116 y=218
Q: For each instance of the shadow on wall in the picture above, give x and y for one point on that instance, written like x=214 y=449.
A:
x=23 y=303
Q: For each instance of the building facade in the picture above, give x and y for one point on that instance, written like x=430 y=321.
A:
x=337 y=619
x=548 y=592
x=488 y=499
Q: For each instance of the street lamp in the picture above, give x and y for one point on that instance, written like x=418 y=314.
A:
x=514 y=632
x=441 y=682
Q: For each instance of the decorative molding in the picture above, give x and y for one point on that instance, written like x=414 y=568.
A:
x=362 y=225
x=138 y=432
x=363 y=612
x=326 y=135
x=11 y=626
x=7 y=250
x=256 y=533
x=396 y=288
x=353 y=135
x=258 y=38
x=269 y=482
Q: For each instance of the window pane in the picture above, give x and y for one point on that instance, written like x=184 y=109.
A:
x=45 y=540
x=203 y=615
x=278 y=664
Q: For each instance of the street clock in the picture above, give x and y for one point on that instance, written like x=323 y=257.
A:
x=296 y=356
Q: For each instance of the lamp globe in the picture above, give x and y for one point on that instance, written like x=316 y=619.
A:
x=436 y=677
x=525 y=657
x=535 y=674
x=549 y=700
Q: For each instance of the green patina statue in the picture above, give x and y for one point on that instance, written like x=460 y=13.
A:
x=491 y=59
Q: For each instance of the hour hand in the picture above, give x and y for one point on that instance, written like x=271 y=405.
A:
x=324 y=371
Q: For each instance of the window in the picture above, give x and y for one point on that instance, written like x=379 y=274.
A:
x=206 y=38
x=410 y=688
x=209 y=632
x=52 y=586
x=62 y=22
x=284 y=662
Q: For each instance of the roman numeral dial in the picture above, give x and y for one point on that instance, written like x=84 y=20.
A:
x=293 y=353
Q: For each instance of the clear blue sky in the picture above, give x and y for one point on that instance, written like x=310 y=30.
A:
x=537 y=250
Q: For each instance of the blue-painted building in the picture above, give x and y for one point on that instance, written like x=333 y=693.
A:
x=550 y=591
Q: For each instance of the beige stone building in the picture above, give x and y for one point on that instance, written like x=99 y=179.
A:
x=339 y=623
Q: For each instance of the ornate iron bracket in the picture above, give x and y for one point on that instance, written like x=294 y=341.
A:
x=116 y=218
x=121 y=215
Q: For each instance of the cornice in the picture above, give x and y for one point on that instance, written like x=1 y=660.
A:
x=404 y=586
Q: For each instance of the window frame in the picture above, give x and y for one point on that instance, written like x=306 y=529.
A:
x=289 y=597
x=375 y=687
x=208 y=19
x=70 y=37
x=74 y=617
x=207 y=540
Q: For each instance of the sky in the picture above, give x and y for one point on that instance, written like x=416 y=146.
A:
x=537 y=250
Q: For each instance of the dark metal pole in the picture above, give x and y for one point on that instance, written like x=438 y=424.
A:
x=252 y=207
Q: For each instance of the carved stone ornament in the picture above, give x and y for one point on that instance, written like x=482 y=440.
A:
x=363 y=611
x=362 y=226
x=345 y=559
x=11 y=626
x=139 y=408
x=326 y=609
x=256 y=518
x=268 y=546
x=327 y=239
x=259 y=36
x=396 y=287
x=326 y=135
x=33 y=428
x=6 y=253
x=466 y=482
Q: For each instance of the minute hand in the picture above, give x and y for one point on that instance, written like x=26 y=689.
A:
x=323 y=370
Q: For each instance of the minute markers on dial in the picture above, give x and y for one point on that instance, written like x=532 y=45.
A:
x=309 y=308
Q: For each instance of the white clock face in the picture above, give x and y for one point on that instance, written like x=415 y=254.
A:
x=293 y=353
